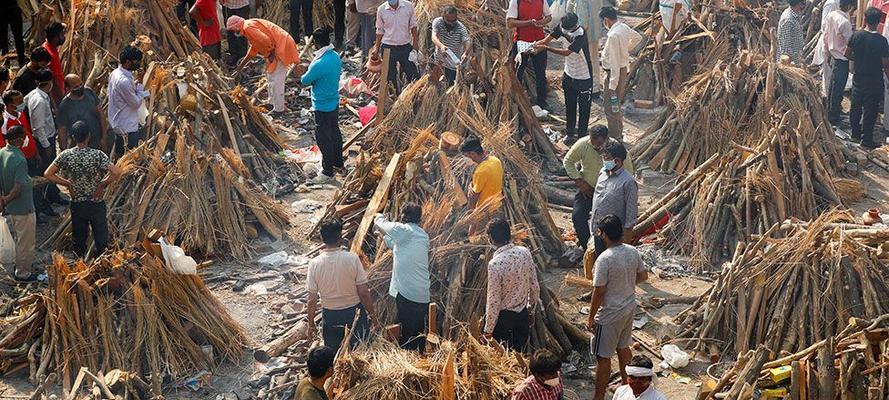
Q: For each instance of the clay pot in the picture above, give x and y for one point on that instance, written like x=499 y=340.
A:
x=374 y=64
x=871 y=217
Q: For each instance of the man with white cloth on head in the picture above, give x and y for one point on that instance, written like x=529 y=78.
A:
x=640 y=382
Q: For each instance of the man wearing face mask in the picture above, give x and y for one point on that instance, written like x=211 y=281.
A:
x=125 y=96
x=55 y=38
x=583 y=163
x=620 y=39
x=451 y=39
x=617 y=194
x=14 y=115
x=26 y=78
x=17 y=203
x=275 y=45
x=80 y=104
x=397 y=31
x=791 y=34
x=640 y=379
x=545 y=382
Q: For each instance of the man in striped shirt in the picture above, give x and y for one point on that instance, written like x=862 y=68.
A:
x=545 y=382
x=451 y=40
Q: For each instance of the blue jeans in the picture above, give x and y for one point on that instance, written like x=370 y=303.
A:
x=335 y=322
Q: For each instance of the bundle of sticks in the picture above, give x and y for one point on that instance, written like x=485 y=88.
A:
x=792 y=287
x=731 y=104
x=853 y=364
x=464 y=369
x=123 y=311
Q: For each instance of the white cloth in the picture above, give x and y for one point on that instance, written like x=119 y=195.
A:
x=829 y=6
x=124 y=98
x=625 y=392
x=639 y=371
x=334 y=275
x=826 y=70
x=43 y=126
x=837 y=31
x=667 y=7
x=616 y=54
x=576 y=63
x=276 y=87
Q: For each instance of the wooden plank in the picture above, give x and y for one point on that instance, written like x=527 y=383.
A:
x=376 y=203
x=228 y=126
x=383 y=95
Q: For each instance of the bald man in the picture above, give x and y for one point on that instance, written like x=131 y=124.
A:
x=81 y=104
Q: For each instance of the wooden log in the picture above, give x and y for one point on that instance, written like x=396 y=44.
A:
x=383 y=95
x=377 y=201
x=278 y=346
x=38 y=392
x=827 y=371
x=750 y=373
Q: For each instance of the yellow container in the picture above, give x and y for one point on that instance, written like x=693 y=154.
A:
x=779 y=374
x=774 y=393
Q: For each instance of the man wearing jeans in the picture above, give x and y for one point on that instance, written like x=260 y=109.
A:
x=837 y=31
x=86 y=172
x=16 y=201
x=323 y=75
x=397 y=31
x=301 y=8
x=125 y=96
x=338 y=279
x=528 y=17
x=410 y=274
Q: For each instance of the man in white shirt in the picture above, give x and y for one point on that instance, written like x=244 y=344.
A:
x=125 y=96
x=397 y=31
x=820 y=56
x=577 y=79
x=837 y=31
x=43 y=125
x=615 y=59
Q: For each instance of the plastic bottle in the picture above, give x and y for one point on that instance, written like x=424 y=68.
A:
x=615 y=108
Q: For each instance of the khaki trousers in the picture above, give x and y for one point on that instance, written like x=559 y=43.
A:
x=24 y=230
x=615 y=118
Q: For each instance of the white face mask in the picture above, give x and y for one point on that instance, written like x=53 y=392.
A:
x=552 y=382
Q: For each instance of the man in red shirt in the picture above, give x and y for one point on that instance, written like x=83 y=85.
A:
x=528 y=17
x=545 y=382
x=204 y=13
x=55 y=38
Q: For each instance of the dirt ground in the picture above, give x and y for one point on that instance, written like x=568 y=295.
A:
x=262 y=317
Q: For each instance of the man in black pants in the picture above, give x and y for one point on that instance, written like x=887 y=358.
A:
x=339 y=23
x=837 y=32
x=301 y=8
x=528 y=18
x=11 y=17
x=237 y=45
x=397 y=31
x=86 y=172
x=869 y=53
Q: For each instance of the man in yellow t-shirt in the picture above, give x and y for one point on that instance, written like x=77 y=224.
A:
x=487 y=180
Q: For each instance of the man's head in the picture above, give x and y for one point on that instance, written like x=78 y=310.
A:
x=608 y=15
x=640 y=374
x=320 y=362
x=44 y=80
x=332 y=232
x=610 y=229
x=130 y=58
x=545 y=367
x=498 y=231
x=614 y=156
x=568 y=22
x=40 y=58
x=4 y=79
x=74 y=85
x=15 y=136
x=797 y=5
x=450 y=14
x=472 y=149
x=321 y=37
x=411 y=213
x=599 y=136
x=11 y=101
x=847 y=5
x=234 y=24
x=80 y=131
x=393 y=3
x=55 y=33
x=872 y=17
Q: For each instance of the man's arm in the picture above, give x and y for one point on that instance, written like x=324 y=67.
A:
x=632 y=213
x=641 y=277
x=127 y=92
x=195 y=14
x=12 y=195
x=573 y=157
x=534 y=295
x=39 y=112
x=381 y=29
x=114 y=173
x=435 y=40
x=52 y=174
x=368 y=303
x=311 y=306
x=415 y=38
x=492 y=302
x=595 y=302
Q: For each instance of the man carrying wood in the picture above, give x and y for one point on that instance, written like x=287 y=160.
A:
x=272 y=43
x=319 y=362
x=323 y=75
x=513 y=289
x=87 y=172
x=869 y=53
x=620 y=39
x=17 y=202
x=837 y=31
x=410 y=274
x=791 y=34
x=337 y=277
x=612 y=307
x=487 y=180
x=586 y=154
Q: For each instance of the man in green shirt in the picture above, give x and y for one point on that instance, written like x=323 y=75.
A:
x=320 y=365
x=587 y=154
x=17 y=201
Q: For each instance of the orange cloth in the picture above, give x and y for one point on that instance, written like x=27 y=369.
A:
x=267 y=39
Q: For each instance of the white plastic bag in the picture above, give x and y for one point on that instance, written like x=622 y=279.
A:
x=557 y=9
x=176 y=259
x=674 y=357
x=7 y=243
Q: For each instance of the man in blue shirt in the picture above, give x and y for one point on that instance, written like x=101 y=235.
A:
x=410 y=274
x=323 y=75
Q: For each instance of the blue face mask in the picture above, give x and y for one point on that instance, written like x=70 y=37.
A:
x=393 y=3
x=609 y=165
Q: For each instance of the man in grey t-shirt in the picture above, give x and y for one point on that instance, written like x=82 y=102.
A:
x=617 y=272
x=451 y=39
